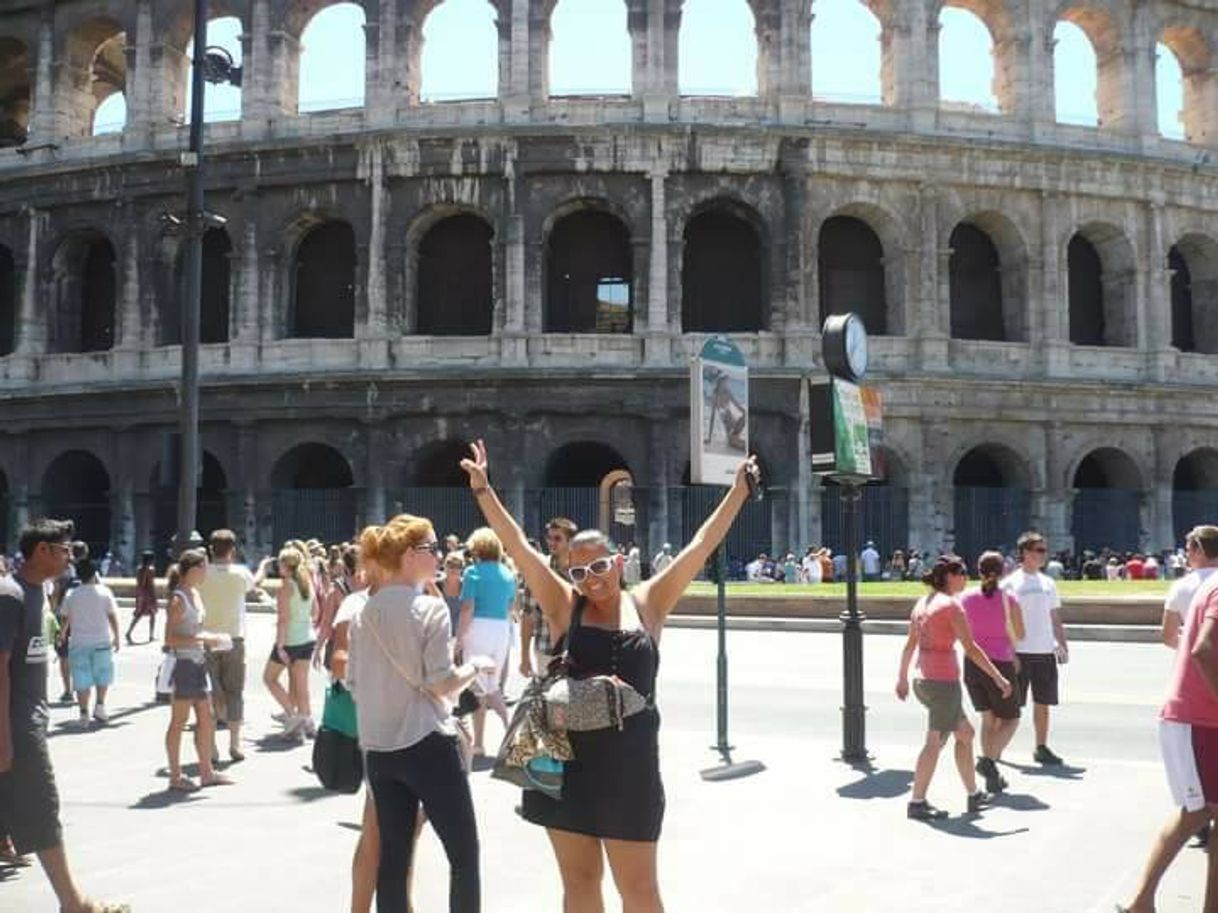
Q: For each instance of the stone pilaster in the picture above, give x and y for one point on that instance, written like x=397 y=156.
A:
x=656 y=344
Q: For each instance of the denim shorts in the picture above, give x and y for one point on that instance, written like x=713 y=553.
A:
x=92 y=667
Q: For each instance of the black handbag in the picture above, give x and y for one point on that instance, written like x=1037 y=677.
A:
x=337 y=761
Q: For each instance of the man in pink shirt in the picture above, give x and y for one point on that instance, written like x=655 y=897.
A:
x=1188 y=732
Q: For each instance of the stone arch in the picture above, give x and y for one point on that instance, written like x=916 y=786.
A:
x=1193 y=264
x=84 y=278
x=573 y=474
x=76 y=486
x=975 y=285
x=93 y=67
x=600 y=30
x=324 y=282
x=1102 y=287
x=303 y=20
x=445 y=32
x=1108 y=487
x=1099 y=25
x=1010 y=322
x=1194 y=491
x=589 y=269
x=992 y=485
x=216 y=292
x=16 y=91
x=851 y=272
x=1194 y=53
x=830 y=20
x=454 y=270
x=696 y=50
x=313 y=495
x=892 y=233
x=9 y=302
x=436 y=487
x=994 y=16
x=724 y=271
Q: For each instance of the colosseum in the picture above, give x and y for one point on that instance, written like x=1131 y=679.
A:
x=394 y=279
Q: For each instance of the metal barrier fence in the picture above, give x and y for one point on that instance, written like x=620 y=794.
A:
x=885 y=518
x=1192 y=508
x=327 y=514
x=988 y=518
x=1106 y=518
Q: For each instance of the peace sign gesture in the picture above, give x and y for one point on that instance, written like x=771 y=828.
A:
x=477 y=466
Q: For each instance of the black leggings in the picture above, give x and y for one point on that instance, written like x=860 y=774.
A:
x=429 y=772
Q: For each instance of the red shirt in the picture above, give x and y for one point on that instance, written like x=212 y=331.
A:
x=932 y=618
x=1190 y=698
x=1134 y=568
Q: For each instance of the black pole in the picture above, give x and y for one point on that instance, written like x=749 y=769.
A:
x=188 y=471
x=854 y=712
x=721 y=745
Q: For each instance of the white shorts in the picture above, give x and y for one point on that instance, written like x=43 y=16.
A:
x=489 y=637
x=1190 y=757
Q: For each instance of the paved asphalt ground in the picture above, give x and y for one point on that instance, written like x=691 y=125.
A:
x=808 y=834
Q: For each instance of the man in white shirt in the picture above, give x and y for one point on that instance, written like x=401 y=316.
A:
x=662 y=559
x=223 y=592
x=754 y=571
x=869 y=558
x=1043 y=646
x=811 y=567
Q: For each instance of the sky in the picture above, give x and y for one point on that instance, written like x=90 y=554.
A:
x=717 y=57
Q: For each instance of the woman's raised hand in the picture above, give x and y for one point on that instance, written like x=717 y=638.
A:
x=747 y=468
x=476 y=465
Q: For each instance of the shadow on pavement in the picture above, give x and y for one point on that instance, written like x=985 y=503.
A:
x=1020 y=802
x=163 y=798
x=882 y=784
x=276 y=743
x=966 y=826
x=309 y=793
x=1064 y=772
x=351 y=825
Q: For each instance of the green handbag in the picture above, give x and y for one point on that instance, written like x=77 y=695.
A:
x=338 y=712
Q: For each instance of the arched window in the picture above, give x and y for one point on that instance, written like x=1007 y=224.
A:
x=1169 y=92
x=1075 y=71
x=456 y=288
x=8 y=302
x=94 y=78
x=1101 y=288
x=991 y=500
x=312 y=494
x=976 y=285
x=846 y=53
x=590 y=49
x=722 y=275
x=966 y=62
x=460 y=58
x=573 y=476
x=221 y=101
x=851 y=272
x=1193 y=263
x=110 y=86
x=85 y=286
x=217 y=286
x=432 y=488
x=324 y=291
x=590 y=275
x=1107 y=502
x=332 y=60
x=1194 y=491
x=76 y=487
x=15 y=92
x=717 y=48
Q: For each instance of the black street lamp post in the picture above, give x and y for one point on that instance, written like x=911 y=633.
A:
x=854 y=711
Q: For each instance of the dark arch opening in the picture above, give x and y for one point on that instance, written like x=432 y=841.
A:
x=211 y=509
x=1194 y=491
x=1107 y=502
x=324 y=296
x=437 y=488
x=5 y=508
x=1183 y=336
x=1086 y=293
x=590 y=275
x=15 y=92
x=850 y=261
x=991 y=501
x=456 y=289
x=312 y=495
x=8 y=301
x=976 y=285
x=98 y=299
x=439 y=465
x=217 y=286
x=582 y=464
x=76 y=487
x=722 y=275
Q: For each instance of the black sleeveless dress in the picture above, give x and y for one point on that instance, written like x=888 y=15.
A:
x=612 y=789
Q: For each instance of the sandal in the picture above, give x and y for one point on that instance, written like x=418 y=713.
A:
x=236 y=755
x=183 y=785
x=216 y=780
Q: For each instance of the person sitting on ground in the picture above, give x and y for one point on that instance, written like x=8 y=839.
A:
x=754 y=572
x=90 y=614
x=937 y=623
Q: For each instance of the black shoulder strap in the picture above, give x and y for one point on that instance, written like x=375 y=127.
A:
x=577 y=615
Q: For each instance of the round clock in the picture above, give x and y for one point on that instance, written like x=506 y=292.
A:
x=844 y=346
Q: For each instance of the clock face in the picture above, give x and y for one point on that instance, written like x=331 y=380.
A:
x=856 y=347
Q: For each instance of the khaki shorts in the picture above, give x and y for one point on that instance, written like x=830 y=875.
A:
x=944 y=701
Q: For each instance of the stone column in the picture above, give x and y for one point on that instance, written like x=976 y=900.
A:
x=42 y=104
x=932 y=496
x=1057 y=507
x=911 y=44
x=1141 y=111
x=656 y=94
x=264 y=96
x=247 y=303
x=377 y=450
x=1042 y=108
x=382 y=67
x=130 y=330
x=122 y=510
x=372 y=171
x=795 y=82
x=1054 y=307
x=34 y=319
x=659 y=460
x=514 y=62
x=1156 y=335
x=672 y=48
x=769 y=53
x=928 y=323
x=656 y=343
x=538 y=56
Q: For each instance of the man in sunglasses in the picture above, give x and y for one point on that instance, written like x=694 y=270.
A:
x=1043 y=646
x=533 y=628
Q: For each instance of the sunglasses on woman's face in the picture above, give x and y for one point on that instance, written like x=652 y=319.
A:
x=599 y=568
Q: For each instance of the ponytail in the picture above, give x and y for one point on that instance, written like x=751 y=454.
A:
x=989 y=568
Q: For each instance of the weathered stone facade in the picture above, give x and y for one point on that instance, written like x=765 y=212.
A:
x=1022 y=407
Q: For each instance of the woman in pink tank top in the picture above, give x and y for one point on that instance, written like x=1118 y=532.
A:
x=936 y=624
x=996 y=621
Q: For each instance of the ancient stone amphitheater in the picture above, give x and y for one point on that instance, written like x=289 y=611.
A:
x=398 y=278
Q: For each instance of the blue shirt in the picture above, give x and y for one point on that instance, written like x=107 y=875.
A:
x=491 y=587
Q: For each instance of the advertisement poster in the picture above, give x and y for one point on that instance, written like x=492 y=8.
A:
x=851 y=432
x=719 y=413
x=845 y=423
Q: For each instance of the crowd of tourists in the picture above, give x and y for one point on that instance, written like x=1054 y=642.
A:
x=419 y=632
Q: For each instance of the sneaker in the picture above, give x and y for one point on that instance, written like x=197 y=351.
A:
x=101 y=714
x=924 y=811
x=67 y=698
x=1043 y=755
x=281 y=717
x=979 y=800
x=994 y=781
